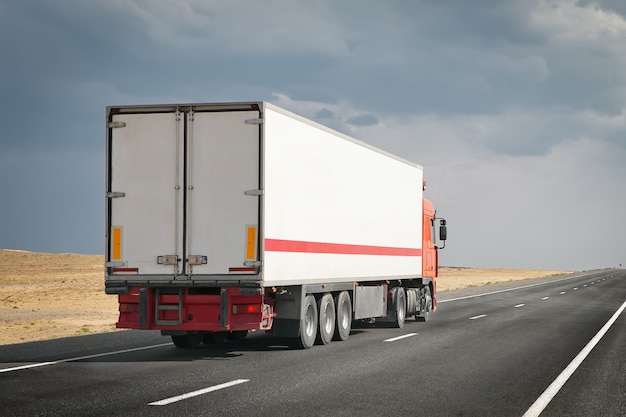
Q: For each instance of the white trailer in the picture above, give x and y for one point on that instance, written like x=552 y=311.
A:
x=229 y=217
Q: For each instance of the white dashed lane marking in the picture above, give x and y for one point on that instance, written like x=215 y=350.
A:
x=404 y=336
x=199 y=392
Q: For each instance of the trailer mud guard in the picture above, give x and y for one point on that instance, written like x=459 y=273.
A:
x=288 y=306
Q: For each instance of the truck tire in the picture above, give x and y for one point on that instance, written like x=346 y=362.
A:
x=343 y=308
x=308 y=323
x=187 y=341
x=326 y=311
x=426 y=305
x=399 y=297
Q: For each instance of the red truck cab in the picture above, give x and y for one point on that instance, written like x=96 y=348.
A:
x=429 y=249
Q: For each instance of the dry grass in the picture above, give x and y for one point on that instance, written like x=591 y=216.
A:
x=46 y=296
x=458 y=278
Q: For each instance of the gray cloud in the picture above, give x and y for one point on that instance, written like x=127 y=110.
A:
x=362 y=120
x=324 y=114
x=456 y=86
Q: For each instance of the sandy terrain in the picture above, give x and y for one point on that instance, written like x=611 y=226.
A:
x=46 y=296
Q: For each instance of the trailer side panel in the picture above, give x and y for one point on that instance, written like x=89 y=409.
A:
x=336 y=209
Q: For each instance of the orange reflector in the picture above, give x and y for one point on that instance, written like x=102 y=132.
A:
x=251 y=243
x=116 y=244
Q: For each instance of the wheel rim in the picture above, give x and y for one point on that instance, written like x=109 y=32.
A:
x=429 y=301
x=309 y=326
x=328 y=318
x=345 y=315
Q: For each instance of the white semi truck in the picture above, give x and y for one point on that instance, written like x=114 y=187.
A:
x=225 y=218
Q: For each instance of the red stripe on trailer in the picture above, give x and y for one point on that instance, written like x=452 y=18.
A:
x=241 y=269
x=127 y=270
x=280 y=245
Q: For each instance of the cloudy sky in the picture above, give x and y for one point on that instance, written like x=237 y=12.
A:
x=515 y=108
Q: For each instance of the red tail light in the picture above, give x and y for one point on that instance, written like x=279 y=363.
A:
x=247 y=309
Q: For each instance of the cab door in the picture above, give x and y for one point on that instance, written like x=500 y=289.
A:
x=429 y=251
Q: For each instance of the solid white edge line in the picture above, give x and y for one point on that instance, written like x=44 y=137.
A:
x=199 y=392
x=545 y=298
x=519 y=305
x=542 y=402
x=478 y=317
x=404 y=336
x=80 y=358
x=32 y=365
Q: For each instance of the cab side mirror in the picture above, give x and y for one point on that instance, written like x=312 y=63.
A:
x=443 y=231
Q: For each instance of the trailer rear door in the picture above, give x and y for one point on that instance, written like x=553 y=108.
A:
x=177 y=182
x=145 y=195
x=223 y=164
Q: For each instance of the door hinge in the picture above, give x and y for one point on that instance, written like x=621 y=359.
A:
x=196 y=260
x=113 y=125
x=168 y=260
x=254 y=192
x=115 y=194
x=256 y=121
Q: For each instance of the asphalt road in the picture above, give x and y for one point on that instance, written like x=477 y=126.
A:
x=480 y=355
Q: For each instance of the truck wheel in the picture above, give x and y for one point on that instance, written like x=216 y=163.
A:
x=326 y=310
x=308 y=323
x=187 y=341
x=400 y=307
x=426 y=305
x=344 y=316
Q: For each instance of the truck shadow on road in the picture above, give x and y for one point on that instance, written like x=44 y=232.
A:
x=130 y=346
x=226 y=350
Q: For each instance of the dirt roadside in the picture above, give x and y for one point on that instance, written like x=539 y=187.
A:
x=46 y=296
